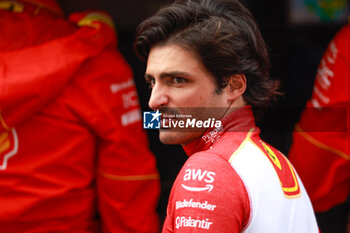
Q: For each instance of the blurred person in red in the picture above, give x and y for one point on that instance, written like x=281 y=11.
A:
x=73 y=157
x=320 y=150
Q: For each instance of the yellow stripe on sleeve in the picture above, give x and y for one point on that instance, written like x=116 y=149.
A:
x=130 y=178
x=321 y=145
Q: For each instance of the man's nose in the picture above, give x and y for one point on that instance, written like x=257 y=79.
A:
x=159 y=97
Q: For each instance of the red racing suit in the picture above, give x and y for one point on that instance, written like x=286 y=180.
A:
x=320 y=149
x=234 y=182
x=73 y=157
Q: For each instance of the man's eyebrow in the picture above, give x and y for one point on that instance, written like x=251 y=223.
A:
x=169 y=74
x=148 y=76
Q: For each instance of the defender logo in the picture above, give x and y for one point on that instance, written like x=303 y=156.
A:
x=199 y=175
x=151 y=120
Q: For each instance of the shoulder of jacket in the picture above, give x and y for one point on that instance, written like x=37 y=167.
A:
x=207 y=159
x=92 y=19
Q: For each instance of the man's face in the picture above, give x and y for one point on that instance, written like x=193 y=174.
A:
x=178 y=81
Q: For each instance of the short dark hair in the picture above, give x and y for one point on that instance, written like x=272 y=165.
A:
x=224 y=35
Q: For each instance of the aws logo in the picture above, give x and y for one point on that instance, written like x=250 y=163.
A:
x=198 y=175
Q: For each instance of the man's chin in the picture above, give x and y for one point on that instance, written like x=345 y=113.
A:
x=177 y=137
x=169 y=137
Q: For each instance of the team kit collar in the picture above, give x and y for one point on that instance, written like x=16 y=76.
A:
x=240 y=121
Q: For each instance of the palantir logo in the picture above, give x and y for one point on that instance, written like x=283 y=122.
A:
x=151 y=120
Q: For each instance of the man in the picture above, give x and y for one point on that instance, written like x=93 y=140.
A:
x=208 y=58
x=320 y=149
x=72 y=155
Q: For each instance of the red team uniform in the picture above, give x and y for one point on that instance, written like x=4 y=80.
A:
x=234 y=182
x=320 y=150
x=71 y=140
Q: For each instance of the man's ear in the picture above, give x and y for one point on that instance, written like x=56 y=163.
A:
x=237 y=84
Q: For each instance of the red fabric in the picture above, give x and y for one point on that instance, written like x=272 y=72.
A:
x=321 y=152
x=70 y=121
x=50 y=5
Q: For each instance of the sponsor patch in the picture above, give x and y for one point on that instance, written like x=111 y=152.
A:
x=130 y=117
x=284 y=170
x=182 y=221
x=195 y=204
x=116 y=87
x=198 y=175
x=130 y=99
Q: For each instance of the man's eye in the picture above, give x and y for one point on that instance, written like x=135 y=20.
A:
x=150 y=82
x=178 y=80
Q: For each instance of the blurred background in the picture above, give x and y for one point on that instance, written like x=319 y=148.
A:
x=296 y=32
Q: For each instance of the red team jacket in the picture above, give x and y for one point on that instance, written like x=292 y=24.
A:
x=234 y=182
x=320 y=149
x=71 y=143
